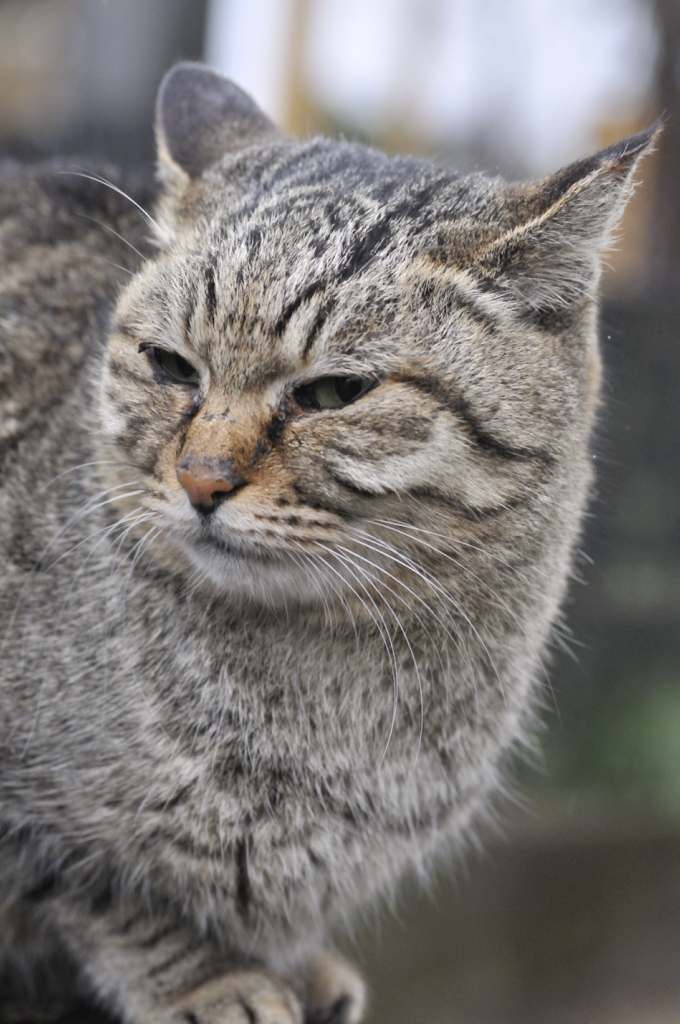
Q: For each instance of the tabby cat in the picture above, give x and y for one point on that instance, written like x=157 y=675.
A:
x=292 y=474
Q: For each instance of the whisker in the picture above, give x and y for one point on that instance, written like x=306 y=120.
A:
x=335 y=590
x=384 y=635
x=79 y=514
x=417 y=597
x=133 y=518
x=140 y=516
x=314 y=581
x=102 y=504
x=460 y=611
x=410 y=649
x=461 y=543
x=107 y=227
x=90 y=505
x=501 y=603
x=140 y=547
x=74 y=469
x=102 y=181
x=449 y=558
x=102 y=259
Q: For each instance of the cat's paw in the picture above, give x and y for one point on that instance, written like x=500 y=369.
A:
x=240 y=997
x=333 y=991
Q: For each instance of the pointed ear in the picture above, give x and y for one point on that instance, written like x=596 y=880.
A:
x=551 y=258
x=200 y=117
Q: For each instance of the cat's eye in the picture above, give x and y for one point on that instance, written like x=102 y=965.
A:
x=172 y=364
x=333 y=392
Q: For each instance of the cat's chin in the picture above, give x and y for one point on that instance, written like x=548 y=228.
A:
x=269 y=578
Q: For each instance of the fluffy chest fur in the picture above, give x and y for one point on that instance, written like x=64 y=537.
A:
x=274 y=769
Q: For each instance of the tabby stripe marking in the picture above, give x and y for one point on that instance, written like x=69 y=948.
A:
x=467 y=511
x=459 y=407
x=244 y=894
x=176 y=958
x=211 y=295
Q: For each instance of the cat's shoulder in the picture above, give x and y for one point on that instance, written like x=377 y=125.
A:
x=70 y=235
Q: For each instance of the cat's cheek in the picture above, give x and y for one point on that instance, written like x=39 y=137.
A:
x=165 y=470
x=111 y=417
x=270 y=483
x=140 y=417
x=269 y=500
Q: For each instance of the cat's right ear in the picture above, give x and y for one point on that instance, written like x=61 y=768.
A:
x=202 y=116
x=552 y=256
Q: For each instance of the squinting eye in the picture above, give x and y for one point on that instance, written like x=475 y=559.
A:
x=333 y=392
x=174 y=365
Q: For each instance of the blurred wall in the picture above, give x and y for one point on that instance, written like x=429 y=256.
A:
x=81 y=75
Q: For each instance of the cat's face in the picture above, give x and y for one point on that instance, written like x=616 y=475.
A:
x=336 y=355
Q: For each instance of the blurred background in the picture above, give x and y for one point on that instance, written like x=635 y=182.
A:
x=571 y=913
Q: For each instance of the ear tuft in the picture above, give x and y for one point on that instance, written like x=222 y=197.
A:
x=202 y=116
x=551 y=258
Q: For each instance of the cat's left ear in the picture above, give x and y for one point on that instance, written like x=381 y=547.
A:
x=201 y=117
x=551 y=257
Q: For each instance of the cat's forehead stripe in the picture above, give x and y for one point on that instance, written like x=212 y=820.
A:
x=309 y=221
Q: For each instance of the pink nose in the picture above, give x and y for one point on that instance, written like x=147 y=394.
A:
x=208 y=481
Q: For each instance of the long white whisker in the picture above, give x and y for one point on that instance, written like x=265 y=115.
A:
x=107 y=227
x=74 y=469
x=418 y=540
x=315 y=583
x=102 y=259
x=434 y=584
x=84 y=510
x=39 y=699
x=90 y=505
x=109 y=184
x=416 y=596
x=118 y=522
x=139 y=548
x=335 y=590
x=461 y=543
x=384 y=635
x=443 y=554
x=400 y=626
x=132 y=518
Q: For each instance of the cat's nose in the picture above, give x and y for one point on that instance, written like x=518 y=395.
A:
x=208 y=481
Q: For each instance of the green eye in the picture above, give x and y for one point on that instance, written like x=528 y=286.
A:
x=174 y=365
x=333 y=392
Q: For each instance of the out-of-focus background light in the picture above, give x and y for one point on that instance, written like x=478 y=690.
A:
x=531 y=83
x=520 y=88
x=576 y=917
x=251 y=43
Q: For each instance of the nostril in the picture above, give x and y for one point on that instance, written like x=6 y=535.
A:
x=218 y=496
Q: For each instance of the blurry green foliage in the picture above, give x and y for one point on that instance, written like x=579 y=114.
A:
x=615 y=730
x=625 y=744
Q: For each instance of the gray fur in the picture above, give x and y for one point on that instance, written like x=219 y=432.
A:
x=224 y=734
x=201 y=116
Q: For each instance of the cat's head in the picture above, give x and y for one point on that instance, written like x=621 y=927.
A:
x=343 y=371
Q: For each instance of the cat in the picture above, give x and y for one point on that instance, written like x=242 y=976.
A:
x=292 y=474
